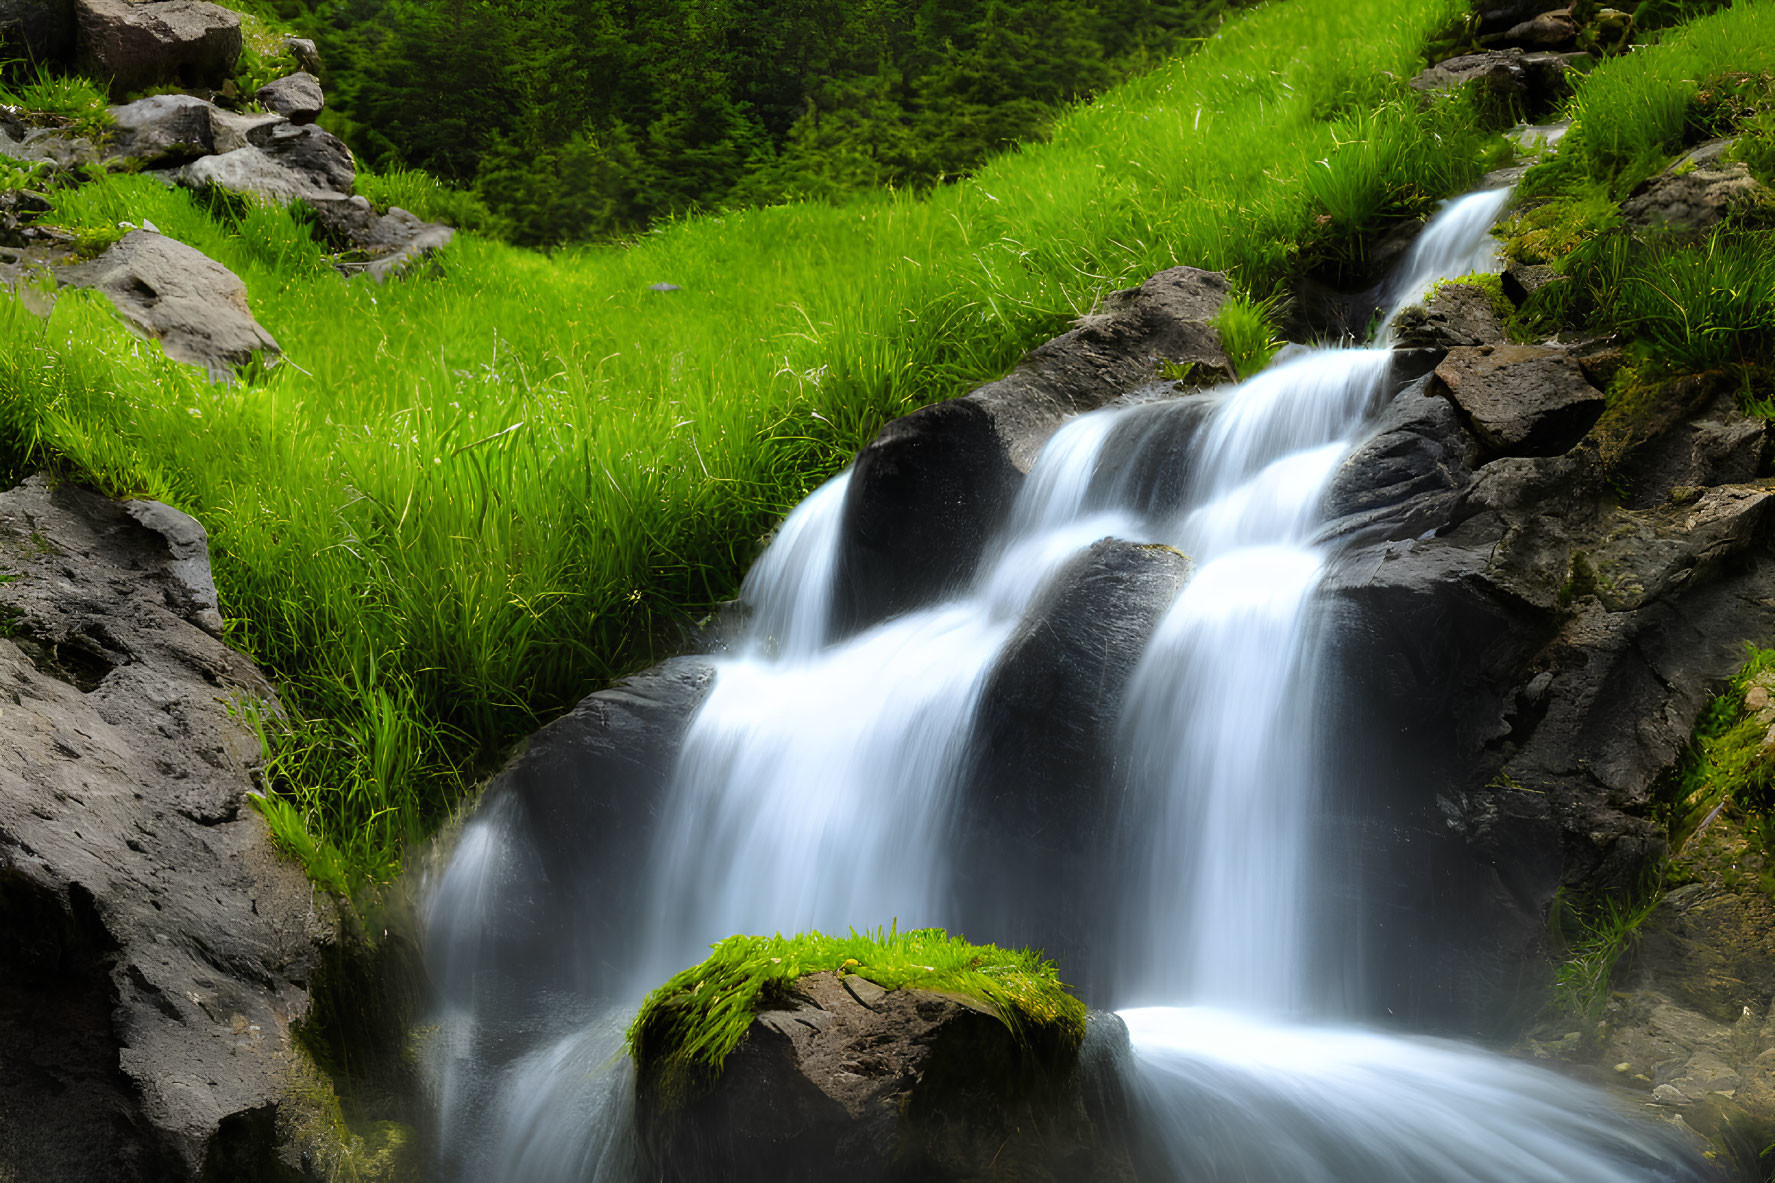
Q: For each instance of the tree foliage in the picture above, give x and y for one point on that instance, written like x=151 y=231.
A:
x=584 y=119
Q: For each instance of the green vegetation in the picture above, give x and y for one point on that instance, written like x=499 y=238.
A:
x=1594 y=945
x=469 y=499
x=1247 y=330
x=686 y=1028
x=1689 y=305
x=1728 y=769
x=591 y=118
x=59 y=100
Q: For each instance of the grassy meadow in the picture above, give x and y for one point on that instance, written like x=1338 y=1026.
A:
x=468 y=498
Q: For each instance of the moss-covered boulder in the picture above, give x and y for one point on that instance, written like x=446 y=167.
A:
x=904 y=1056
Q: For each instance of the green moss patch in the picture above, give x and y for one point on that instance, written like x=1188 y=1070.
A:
x=687 y=1028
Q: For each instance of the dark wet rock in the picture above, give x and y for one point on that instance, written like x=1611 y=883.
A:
x=892 y=1084
x=924 y=498
x=195 y=307
x=1547 y=30
x=1550 y=76
x=1719 y=446
x=1693 y=200
x=135 y=44
x=158 y=950
x=929 y=492
x=1408 y=475
x=163 y=129
x=1455 y=314
x=1039 y=813
x=38 y=30
x=1522 y=280
x=1520 y=399
x=286 y=163
x=582 y=796
x=297 y=97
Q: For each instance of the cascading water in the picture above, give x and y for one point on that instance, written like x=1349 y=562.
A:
x=818 y=784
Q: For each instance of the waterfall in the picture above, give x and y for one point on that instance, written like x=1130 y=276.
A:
x=819 y=783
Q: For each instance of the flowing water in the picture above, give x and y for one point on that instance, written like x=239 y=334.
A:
x=818 y=786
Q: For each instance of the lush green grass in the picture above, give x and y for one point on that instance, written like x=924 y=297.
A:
x=427 y=197
x=1691 y=305
x=686 y=1028
x=469 y=499
x=1594 y=946
x=1727 y=767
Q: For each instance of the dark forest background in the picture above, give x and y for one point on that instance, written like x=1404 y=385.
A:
x=576 y=120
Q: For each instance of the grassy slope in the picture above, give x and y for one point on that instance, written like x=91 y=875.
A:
x=688 y=1026
x=470 y=499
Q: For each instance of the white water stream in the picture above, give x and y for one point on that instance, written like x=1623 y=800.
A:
x=818 y=783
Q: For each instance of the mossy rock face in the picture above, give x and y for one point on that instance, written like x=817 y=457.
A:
x=845 y=1075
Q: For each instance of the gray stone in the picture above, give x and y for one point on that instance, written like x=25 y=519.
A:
x=1694 y=200
x=236 y=130
x=1456 y=314
x=306 y=53
x=289 y=163
x=48 y=145
x=297 y=97
x=1497 y=72
x=135 y=45
x=1522 y=280
x=195 y=307
x=385 y=245
x=41 y=31
x=158 y=949
x=1521 y=399
x=163 y=129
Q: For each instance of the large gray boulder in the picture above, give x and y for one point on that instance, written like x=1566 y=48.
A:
x=195 y=307
x=163 y=129
x=134 y=44
x=281 y=164
x=41 y=31
x=1528 y=400
x=157 y=949
x=298 y=97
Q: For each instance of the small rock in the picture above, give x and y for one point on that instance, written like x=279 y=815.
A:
x=1549 y=30
x=1525 y=400
x=1757 y=697
x=293 y=163
x=195 y=307
x=1498 y=72
x=306 y=53
x=236 y=130
x=1666 y=1094
x=1623 y=1067
x=1522 y=280
x=1695 y=200
x=664 y=287
x=1456 y=314
x=134 y=46
x=298 y=97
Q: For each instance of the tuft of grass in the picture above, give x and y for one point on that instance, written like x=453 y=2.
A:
x=1726 y=767
x=1594 y=946
x=468 y=500
x=423 y=195
x=66 y=100
x=687 y=1027
x=1248 y=332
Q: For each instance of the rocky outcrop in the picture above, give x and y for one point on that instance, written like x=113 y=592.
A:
x=379 y=245
x=892 y=1084
x=158 y=949
x=195 y=307
x=1539 y=647
x=286 y=163
x=134 y=44
x=1536 y=79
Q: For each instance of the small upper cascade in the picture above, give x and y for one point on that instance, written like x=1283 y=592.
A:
x=1457 y=242
x=789 y=588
